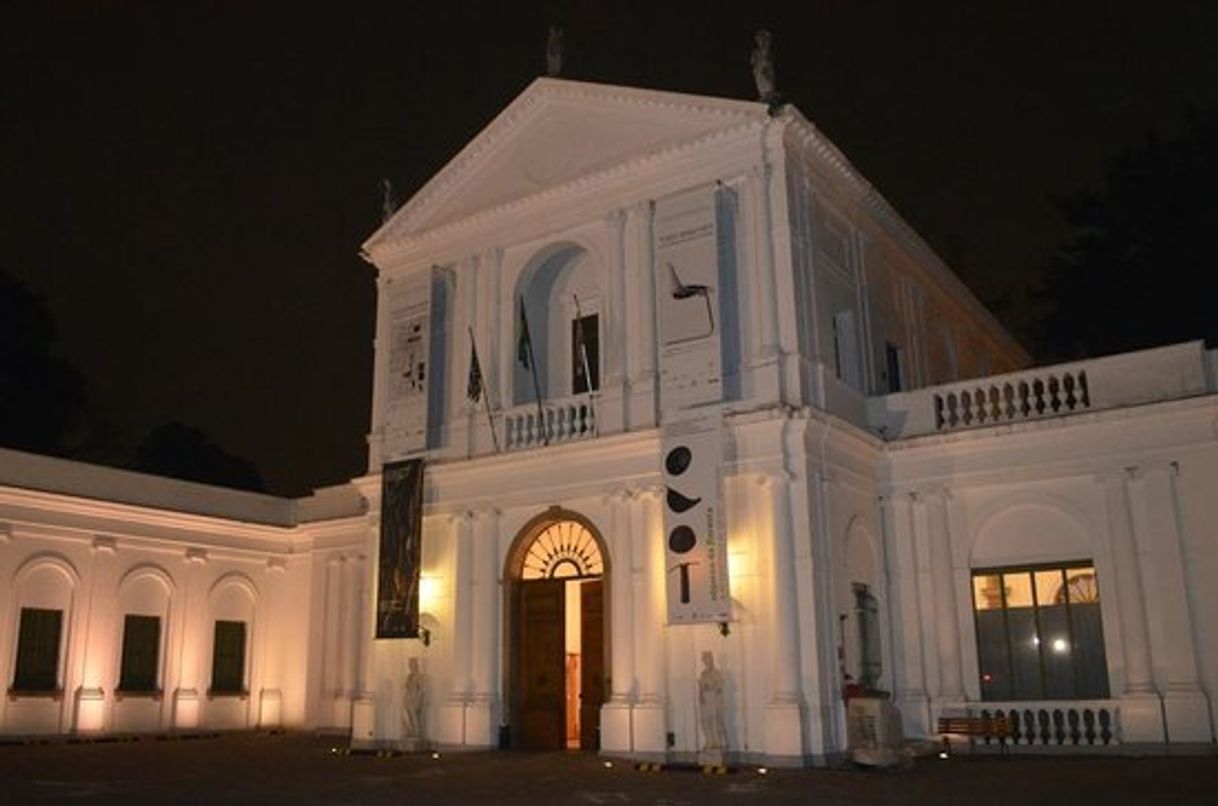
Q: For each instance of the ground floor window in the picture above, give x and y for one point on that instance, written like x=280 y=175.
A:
x=141 y=651
x=37 y=667
x=228 y=658
x=1039 y=634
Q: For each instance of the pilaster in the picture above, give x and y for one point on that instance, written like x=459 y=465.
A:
x=784 y=708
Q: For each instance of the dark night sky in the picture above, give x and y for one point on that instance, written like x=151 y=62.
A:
x=187 y=184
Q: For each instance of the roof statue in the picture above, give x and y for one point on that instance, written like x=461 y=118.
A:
x=554 y=52
x=389 y=202
x=763 y=68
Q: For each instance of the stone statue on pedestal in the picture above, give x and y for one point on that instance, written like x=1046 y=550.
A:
x=710 y=706
x=389 y=202
x=554 y=52
x=763 y=69
x=413 y=697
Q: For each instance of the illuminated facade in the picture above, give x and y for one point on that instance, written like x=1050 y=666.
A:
x=907 y=505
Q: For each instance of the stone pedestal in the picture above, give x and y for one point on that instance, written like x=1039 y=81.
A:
x=783 y=736
x=915 y=713
x=1141 y=718
x=270 y=708
x=340 y=711
x=482 y=722
x=615 y=727
x=415 y=744
x=363 y=722
x=185 y=708
x=449 y=727
x=1187 y=712
x=649 y=731
x=90 y=710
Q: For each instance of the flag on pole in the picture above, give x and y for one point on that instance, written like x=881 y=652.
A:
x=583 y=370
x=524 y=347
x=474 y=387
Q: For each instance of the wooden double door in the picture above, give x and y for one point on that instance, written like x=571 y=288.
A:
x=540 y=664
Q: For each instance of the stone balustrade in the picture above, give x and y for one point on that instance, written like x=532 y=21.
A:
x=1044 y=723
x=558 y=421
x=1129 y=379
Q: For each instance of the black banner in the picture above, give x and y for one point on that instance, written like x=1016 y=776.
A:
x=397 y=590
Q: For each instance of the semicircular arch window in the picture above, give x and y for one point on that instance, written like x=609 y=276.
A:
x=563 y=550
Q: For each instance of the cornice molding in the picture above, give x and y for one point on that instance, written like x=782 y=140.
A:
x=538 y=96
x=386 y=251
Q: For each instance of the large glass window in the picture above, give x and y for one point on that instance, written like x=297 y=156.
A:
x=141 y=650
x=1039 y=635
x=37 y=667
x=228 y=658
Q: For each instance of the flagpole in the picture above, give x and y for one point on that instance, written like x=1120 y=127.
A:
x=528 y=343
x=486 y=395
x=494 y=434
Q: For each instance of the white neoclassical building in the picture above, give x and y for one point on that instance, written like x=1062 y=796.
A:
x=755 y=418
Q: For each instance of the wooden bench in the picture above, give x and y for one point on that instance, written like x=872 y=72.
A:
x=974 y=727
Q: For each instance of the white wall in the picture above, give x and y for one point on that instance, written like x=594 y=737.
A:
x=98 y=561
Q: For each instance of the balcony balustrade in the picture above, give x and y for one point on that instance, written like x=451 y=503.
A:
x=1129 y=379
x=558 y=421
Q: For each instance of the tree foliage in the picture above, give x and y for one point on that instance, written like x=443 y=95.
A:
x=184 y=452
x=1140 y=269
x=41 y=395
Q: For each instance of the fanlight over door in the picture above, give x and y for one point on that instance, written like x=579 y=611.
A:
x=565 y=550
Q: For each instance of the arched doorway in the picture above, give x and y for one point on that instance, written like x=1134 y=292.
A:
x=557 y=633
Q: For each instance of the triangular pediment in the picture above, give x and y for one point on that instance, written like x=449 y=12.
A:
x=557 y=131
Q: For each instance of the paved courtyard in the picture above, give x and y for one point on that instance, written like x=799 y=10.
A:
x=302 y=768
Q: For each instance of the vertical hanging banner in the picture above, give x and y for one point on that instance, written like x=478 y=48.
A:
x=687 y=300
x=407 y=370
x=397 y=590
x=691 y=390
x=694 y=531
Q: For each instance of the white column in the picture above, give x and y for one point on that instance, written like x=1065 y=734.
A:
x=350 y=583
x=1185 y=706
x=488 y=350
x=363 y=711
x=190 y=638
x=450 y=724
x=331 y=644
x=270 y=702
x=613 y=358
x=947 y=624
x=647 y=529
x=482 y=710
x=783 y=711
x=1141 y=710
x=909 y=676
x=95 y=663
x=615 y=714
x=467 y=304
x=758 y=202
x=927 y=600
x=641 y=314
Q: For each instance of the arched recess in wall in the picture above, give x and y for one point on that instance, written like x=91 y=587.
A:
x=144 y=592
x=861 y=601
x=46 y=582
x=558 y=557
x=232 y=601
x=551 y=281
x=1030 y=531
